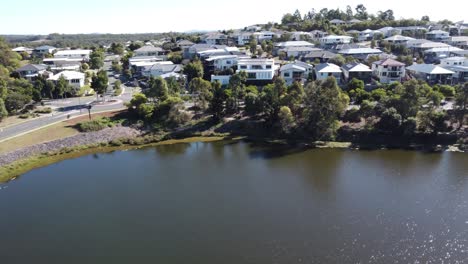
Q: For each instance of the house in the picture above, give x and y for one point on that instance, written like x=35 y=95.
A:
x=149 y=51
x=243 y=38
x=325 y=70
x=257 y=69
x=43 y=50
x=253 y=28
x=389 y=31
x=184 y=44
x=298 y=52
x=437 y=35
x=331 y=40
x=320 y=55
x=353 y=21
x=189 y=53
x=264 y=36
x=459 y=65
x=431 y=73
x=23 y=49
x=203 y=55
x=318 y=34
x=360 y=53
x=223 y=79
x=138 y=64
x=215 y=39
x=31 y=71
x=457 y=41
x=296 y=71
x=61 y=64
x=398 y=39
x=356 y=70
x=74 y=78
x=434 y=55
x=300 y=35
x=337 y=22
x=290 y=44
x=73 y=54
x=388 y=70
x=420 y=45
x=368 y=35
x=223 y=62
x=160 y=69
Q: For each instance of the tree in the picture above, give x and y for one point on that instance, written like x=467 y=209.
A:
x=324 y=103
x=355 y=84
x=49 y=88
x=117 y=48
x=237 y=86
x=116 y=66
x=338 y=60
x=253 y=44
x=15 y=101
x=96 y=59
x=432 y=121
x=390 y=120
x=425 y=19
x=158 y=90
x=286 y=119
x=217 y=101
x=361 y=12
x=461 y=103
x=294 y=97
x=3 y=111
x=99 y=82
x=62 y=86
x=193 y=70
x=202 y=91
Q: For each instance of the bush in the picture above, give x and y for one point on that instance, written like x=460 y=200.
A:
x=24 y=116
x=94 y=125
x=45 y=110
x=116 y=143
x=353 y=115
x=118 y=91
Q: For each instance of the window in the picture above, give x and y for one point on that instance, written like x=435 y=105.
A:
x=286 y=74
x=251 y=75
x=257 y=67
x=228 y=62
x=384 y=74
x=268 y=66
x=243 y=67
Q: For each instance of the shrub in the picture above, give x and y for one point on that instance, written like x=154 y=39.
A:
x=94 y=125
x=24 y=116
x=116 y=143
x=46 y=110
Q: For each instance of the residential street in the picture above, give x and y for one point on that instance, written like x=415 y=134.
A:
x=68 y=108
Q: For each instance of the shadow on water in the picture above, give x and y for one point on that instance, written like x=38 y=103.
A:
x=172 y=149
x=265 y=150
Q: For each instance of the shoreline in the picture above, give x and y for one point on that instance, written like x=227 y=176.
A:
x=33 y=160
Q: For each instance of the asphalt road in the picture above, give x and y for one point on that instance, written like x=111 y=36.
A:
x=68 y=108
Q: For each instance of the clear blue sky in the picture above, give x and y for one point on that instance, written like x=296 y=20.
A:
x=137 y=16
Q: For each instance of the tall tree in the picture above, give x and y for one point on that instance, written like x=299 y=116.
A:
x=237 y=86
x=194 y=70
x=100 y=82
x=461 y=103
x=96 y=59
x=201 y=89
x=217 y=101
x=158 y=90
x=324 y=104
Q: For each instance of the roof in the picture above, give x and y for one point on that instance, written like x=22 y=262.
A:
x=388 y=62
x=437 y=32
x=359 y=51
x=72 y=52
x=337 y=21
x=298 y=43
x=68 y=75
x=149 y=49
x=291 y=49
x=356 y=67
x=166 y=67
x=45 y=47
x=321 y=54
x=327 y=67
x=354 y=20
x=297 y=65
x=429 y=69
x=337 y=37
x=256 y=61
x=20 y=49
x=398 y=38
x=32 y=67
x=430 y=44
x=445 y=49
x=184 y=42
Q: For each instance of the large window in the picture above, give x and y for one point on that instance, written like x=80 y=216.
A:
x=251 y=75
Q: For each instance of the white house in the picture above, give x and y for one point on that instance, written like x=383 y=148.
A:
x=22 y=49
x=73 y=54
x=458 y=41
x=243 y=38
x=264 y=35
x=356 y=70
x=74 y=78
x=325 y=70
x=437 y=35
x=360 y=53
x=224 y=62
x=368 y=34
x=333 y=40
x=296 y=71
x=149 y=51
x=337 y=22
x=389 y=31
x=160 y=69
x=459 y=65
x=257 y=69
x=215 y=39
x=388 y=70
x=297 y=52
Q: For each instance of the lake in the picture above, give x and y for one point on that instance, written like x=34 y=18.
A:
x=238 y=202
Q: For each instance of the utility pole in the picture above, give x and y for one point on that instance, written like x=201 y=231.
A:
x=89 y=111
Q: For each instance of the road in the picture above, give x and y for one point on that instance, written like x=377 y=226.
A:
x=70 y=107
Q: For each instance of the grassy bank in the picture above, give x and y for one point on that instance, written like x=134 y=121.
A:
x=17 y=168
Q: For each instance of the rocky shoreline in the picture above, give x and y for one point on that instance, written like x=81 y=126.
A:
x=103 y=136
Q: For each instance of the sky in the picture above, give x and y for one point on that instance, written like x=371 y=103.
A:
x=148 y=16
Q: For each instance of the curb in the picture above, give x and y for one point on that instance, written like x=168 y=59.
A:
x=54 y=123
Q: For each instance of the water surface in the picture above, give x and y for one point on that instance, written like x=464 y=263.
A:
x=236 y=203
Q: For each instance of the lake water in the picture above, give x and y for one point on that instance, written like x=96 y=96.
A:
x=236 y=203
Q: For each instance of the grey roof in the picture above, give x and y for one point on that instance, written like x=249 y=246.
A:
x=291 y=49
x=185 y=42
x=327 y=67
x=325 y=54
x=297 y=65
x=359 y=51
x=429 y=69
x=167 y=67
x=32 y=67
x=45 y=47
x=149 y=49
